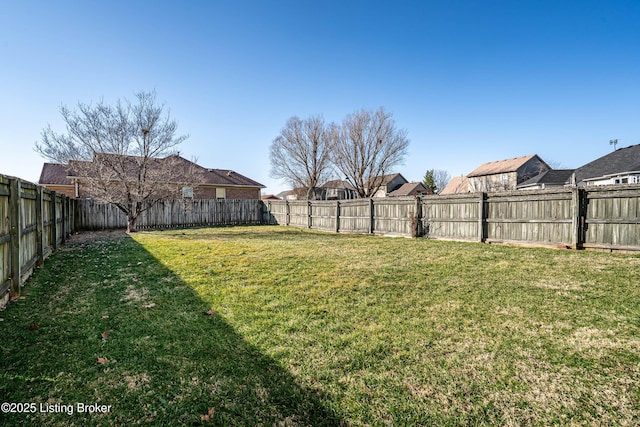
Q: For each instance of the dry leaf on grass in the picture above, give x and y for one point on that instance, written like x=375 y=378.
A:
x=102 y=360
x=208 y=417
x=150 y=305
x=105 y=335
x=105 y=317
x=34 y=327
x=211 y=312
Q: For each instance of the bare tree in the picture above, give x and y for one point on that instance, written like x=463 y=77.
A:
x=441 y=178
x=300 y=154
x=366 y=147
x=122 y=154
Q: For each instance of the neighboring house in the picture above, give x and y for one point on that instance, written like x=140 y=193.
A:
x=212 y=183
x=619 y=167
x=457 y=185
x=55 y=177
x=505 y=175
x=286 y=195
x=338 y=190
x=411 y=189
x=302 y=193
x=388 y=183
x=553 y=178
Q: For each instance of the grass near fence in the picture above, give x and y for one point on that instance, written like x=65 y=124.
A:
x=279 y=326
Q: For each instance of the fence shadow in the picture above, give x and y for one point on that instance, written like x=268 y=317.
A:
x=171 y=360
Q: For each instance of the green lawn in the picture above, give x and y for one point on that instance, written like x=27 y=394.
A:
x=279 y=326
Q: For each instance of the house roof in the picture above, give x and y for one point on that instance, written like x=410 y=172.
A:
x=54 y=174
x=269 y=197
x=385 y=179
x=59 y=174
x=550 y=177
x=228 y=177
x=457 y=185
x=501 y=166
x=408 y=189
x=620 y=161
x=338 y=184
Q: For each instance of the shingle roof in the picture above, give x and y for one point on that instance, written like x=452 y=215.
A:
x=57 y=173
x=551 y=177
x=54 y=174
x=622 y=160
x=385 y=179
x=408 y=189
x=457 y=185
x=338 y=184
x=228 y=177
x=501 y=166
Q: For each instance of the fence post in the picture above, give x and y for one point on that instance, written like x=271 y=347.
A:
x=577 y=222
x=309 y=214
x=287 y=213
x=337 y=216
x=482 y=217
x=418 y=218
x=54 y=224
x=14 y=233
x=63 y=214
x=39 y=225
x=371 y=216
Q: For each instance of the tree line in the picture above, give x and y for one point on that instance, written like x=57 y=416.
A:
x=367 y=144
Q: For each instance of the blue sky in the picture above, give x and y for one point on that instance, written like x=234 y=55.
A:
x=471 y=81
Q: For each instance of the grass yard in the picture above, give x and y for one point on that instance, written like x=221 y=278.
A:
x=279 y=326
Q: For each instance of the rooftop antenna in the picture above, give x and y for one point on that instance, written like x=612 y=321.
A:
x=613 y=142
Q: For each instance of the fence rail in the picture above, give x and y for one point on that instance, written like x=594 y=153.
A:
x=33 y=223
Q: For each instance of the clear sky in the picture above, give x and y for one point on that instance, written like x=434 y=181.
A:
x=471 y=81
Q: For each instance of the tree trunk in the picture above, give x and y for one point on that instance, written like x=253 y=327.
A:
x=132 y=216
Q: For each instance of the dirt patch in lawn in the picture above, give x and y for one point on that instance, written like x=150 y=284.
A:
x=90 y=236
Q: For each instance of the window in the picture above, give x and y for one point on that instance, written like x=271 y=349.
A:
x=505 y=179
x=187 y=192
x=221 y=193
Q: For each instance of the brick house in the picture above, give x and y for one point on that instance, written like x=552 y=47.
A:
x=210 y=184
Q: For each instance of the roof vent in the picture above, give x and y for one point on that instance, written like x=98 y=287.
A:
x=229 y=173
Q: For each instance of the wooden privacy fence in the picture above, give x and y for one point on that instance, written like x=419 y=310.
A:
x=597 y=218
x=92 y=215
x=33 y=223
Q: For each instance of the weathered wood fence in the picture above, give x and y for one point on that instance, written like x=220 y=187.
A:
x=597 y=218
x=33 y=223
x=91 y=215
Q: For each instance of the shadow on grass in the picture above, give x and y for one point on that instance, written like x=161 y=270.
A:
x=105 y=323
